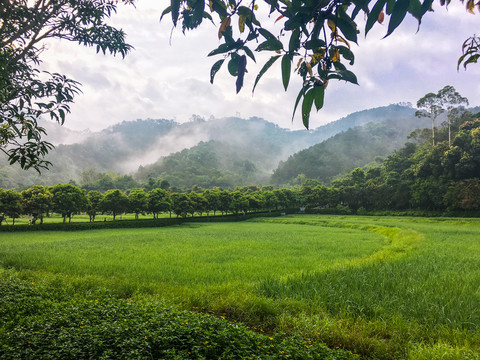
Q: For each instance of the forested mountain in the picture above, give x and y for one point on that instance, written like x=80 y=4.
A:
x=144 y=145
x=345 y=151
x=208 y=164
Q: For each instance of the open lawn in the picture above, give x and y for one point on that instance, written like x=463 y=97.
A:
x=406 y=288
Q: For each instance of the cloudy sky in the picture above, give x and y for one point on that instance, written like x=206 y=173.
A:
x=169 y=78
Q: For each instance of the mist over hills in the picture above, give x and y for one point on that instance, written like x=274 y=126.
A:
x=243 y=150
x=355 y=147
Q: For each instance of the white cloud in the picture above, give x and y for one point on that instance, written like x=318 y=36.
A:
x=159 y=80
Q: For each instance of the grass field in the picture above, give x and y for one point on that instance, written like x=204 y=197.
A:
x=56 y=218
x=405 y=288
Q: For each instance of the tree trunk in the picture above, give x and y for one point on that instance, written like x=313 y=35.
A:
x=449 y=138
x=433 y=131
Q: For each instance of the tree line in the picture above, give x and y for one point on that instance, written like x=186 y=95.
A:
x=68 y=200
x=422 y=176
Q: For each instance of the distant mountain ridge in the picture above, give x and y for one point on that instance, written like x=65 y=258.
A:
x=123 y=147
x=355 y=147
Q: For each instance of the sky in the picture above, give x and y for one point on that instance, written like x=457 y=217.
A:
x=167 y=75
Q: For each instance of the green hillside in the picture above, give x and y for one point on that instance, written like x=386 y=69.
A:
x=345 y=151
x=143 y=145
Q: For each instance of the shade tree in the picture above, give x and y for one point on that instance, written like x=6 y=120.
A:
x=158 y=201
x=10 y=205
x=200 y=203
x=213 y=199
x=115 y=202
x=68 y=199
x=239 y=202
x=94 y=200
x=182 y=205
x=37 y=201
x=138 y=202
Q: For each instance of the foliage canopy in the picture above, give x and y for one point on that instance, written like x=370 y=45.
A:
x=319 y=35
x=26 y=93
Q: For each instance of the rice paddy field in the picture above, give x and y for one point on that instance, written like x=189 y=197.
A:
x=300 y=286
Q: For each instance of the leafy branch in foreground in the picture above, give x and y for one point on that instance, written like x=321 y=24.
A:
x=27 y=93
x=319 y=34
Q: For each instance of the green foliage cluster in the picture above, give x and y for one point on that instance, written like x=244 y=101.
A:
x=317 y=39
x=43 y=322
x=26 y=93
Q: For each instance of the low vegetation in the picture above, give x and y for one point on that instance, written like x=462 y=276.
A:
x=379 y=287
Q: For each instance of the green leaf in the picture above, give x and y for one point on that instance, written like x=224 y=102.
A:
x=319 y=95
x=398 y=14
x=390 y=6
x=286 y=70
x=360 y=5
x=346 y=25
x=314 y=44
x=271 y=45
x=307 y=107
x=267 y=34
x=299 y=96
x=344 y=75
x=249 y=53
x=220 y=8
x=241 y=69
x=233 y=64
x=165 y=12
x=175 y=7
x=252 y=36
x=339 y=66
x=348 y=29
x=215 y=68
x=346 y=53
x=267 y=65
x=373 y=16
x=294 y=43
x=223 y=48
x=207 y=16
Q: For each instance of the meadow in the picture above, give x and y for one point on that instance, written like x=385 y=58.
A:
x=380 y=287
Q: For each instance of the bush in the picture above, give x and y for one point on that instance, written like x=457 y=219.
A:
x=40 y=322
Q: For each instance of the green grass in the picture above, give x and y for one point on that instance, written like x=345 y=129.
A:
x=406 y=288
x=42 y=320
x=56 y=218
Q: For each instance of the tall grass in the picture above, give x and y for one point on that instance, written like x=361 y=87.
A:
x=385 y=287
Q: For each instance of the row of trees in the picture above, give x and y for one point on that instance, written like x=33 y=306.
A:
x=68 y=199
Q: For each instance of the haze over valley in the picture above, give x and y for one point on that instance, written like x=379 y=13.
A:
x=224 y=152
